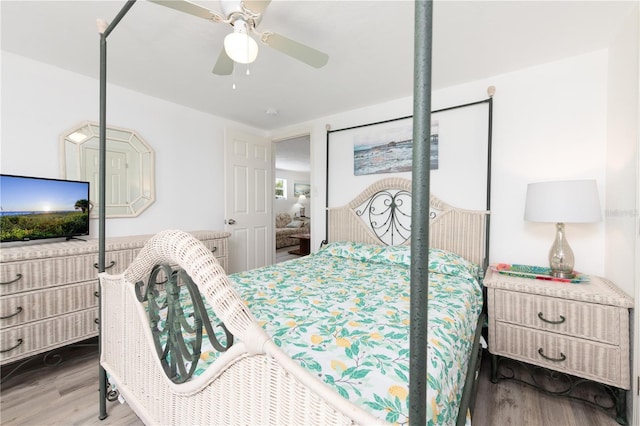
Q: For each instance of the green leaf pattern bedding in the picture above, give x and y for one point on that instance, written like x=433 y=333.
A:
x=343 y=313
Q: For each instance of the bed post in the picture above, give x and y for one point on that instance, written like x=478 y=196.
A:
x=491 y=90
x=104 y=30
x=102 y=376
x=419 y=207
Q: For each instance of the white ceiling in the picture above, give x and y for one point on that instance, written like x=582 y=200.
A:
x=169 y=55
x=293 y=154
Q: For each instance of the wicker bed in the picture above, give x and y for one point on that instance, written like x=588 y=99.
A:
x=254 y=381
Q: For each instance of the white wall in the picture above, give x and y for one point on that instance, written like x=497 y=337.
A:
x=622 y=208
x=290 y=204
x=549 y=123
x=39 y=102
x=622 y=154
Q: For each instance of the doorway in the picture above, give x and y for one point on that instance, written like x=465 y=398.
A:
x=292 y=204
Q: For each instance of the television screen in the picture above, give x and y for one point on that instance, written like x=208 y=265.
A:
x=35 y=208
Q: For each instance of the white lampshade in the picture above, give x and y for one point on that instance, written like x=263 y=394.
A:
x=302 y=199
x=569 y=201
x=239 y=46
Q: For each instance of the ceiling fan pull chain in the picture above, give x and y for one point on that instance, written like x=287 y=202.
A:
x=248 y=47
x=233 y=78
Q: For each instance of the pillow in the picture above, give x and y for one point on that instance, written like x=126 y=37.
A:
x=369 y=252
x=448 y=263
x=282 y=219
x=294 y=224
x=440 y=261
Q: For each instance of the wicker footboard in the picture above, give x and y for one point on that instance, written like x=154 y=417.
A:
x=253 y=382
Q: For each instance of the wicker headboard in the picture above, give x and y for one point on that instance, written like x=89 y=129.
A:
x=381 y=214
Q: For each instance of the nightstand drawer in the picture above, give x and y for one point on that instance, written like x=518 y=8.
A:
x=582 y=358
x=600 y=323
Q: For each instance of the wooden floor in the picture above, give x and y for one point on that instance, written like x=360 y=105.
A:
x=511 y=403
x=59 y=396
x=68 y=395
x=282 y=254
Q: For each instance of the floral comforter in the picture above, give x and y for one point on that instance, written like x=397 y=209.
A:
x=343 y=313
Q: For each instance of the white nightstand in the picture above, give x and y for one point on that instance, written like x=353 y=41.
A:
x=578 y=329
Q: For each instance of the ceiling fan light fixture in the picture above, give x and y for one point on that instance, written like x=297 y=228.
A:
x=239 y=46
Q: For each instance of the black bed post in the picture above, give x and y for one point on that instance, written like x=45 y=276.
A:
x=420 y=215
x=491 y=92
x=102 y=376
x=104 y=33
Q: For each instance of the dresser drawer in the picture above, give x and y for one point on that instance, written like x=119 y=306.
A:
x=223 y=262
x=36 y=305
x=218 y=246
x=592 y=321
x=583 y=358
x=18 y=277
x=29 y=339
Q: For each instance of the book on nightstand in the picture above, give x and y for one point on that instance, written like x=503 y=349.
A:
x=536 y=272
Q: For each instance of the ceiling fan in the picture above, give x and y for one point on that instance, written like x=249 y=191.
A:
x=244 y=16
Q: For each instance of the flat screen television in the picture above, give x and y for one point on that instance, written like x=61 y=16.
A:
x=33 y=208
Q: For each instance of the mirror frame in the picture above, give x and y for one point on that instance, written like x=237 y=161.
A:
x=82 y=142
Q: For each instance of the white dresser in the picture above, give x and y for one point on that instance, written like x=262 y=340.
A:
x=577 y=329
x=49 y=291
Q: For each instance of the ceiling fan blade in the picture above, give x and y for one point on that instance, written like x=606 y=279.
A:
x=301 y=52
x=256 y=6
x=224 y=64
x=190 y=8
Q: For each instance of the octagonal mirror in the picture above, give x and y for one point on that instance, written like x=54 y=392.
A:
x=129 y=163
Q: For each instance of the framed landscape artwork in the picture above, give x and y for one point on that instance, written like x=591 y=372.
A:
x=388 y=148
x=301 y=189
x=358 y=156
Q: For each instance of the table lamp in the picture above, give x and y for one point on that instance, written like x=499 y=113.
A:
x=302 y=200
x=569 y=201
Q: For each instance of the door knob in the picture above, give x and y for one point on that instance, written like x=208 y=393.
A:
x=230 y=222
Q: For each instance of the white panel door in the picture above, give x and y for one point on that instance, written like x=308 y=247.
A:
x=248 y=200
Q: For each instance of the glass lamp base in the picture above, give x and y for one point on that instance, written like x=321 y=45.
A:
x=563 y=274
x=561 y=259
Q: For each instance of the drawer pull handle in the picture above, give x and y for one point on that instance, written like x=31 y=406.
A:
x=12 y=348
x=215 y=249
x=562 y=356
x=17 y=312
x=562 y=319
x=96 y=294
x=18 y=278
x=111 y=265
x=97 y=321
